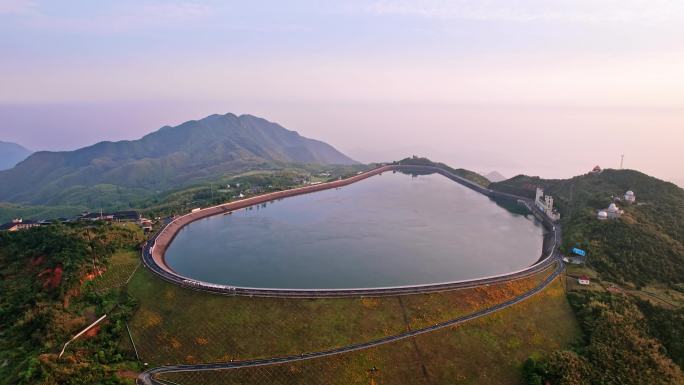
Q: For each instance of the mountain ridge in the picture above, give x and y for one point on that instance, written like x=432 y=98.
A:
x=166 y=158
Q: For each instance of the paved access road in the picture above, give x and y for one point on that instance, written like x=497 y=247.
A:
x=148 y=377
x=548 y=259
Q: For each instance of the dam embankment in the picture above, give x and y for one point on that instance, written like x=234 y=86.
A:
x=154 y=252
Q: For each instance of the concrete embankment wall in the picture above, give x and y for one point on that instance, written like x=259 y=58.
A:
x=166 y=236
x=153 y=252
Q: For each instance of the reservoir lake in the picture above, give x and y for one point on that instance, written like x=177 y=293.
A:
x=391 y=229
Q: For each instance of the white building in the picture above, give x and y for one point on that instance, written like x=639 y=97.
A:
x=18 y=224
x=612 y=212
x=630 y=196
x=545 y=204
x=583 y=280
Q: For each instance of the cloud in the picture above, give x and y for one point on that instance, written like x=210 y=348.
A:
x=16 y=7
x=572 y=11
x=171 y=12
x=125 y=17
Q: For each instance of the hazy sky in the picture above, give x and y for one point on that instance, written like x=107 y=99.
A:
x=536 y=86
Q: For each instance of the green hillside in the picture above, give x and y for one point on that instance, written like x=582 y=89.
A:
x=48 y=297
x=645 y=245
x=629 y=337
x=168 y=158
x=9 y=211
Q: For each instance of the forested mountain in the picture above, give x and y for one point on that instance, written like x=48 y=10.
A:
x=626 y=340
x=645 y=245
x=168 y=158
x=11 y=154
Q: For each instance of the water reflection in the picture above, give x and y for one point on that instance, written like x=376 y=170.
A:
x=389 y=230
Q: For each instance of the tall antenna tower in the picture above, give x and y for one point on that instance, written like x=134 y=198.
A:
x=622 y=160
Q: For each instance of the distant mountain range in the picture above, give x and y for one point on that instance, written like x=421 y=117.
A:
x=168 y=158
x=11 y=154
x=495 y=176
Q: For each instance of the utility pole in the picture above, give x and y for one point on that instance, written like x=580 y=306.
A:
x=622 y=160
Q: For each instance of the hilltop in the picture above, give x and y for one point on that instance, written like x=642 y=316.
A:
x=11 y=154
x=462 y=172
x=168 y=158
x=645 y=245
x=631 y=329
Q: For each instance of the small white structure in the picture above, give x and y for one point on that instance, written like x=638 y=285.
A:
x=612 y=212
x=545 y=204
x=630 y=196
x=145 y=223
x=195 y=210
x=584 y=280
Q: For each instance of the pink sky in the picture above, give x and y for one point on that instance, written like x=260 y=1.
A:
x=475 y=84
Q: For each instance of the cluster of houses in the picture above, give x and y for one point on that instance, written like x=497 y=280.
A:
x=130 y=216
x=18 y=224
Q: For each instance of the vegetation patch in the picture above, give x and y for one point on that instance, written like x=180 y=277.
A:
x=174 y=323
x=46 y=300
x=119 y=269
x=618 y=346
x=474 y=353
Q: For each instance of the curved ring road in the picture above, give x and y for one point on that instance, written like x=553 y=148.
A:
x=154 y=249
x=153 y=258
x=148 y=377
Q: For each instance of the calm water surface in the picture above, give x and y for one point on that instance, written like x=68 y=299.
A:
x=388 y=230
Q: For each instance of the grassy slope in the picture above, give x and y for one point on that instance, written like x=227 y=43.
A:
x=121 y=265
x=489 y=350
x=9 y=211
x=225 y=328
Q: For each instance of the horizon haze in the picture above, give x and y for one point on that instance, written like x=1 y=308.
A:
x=470 y=84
